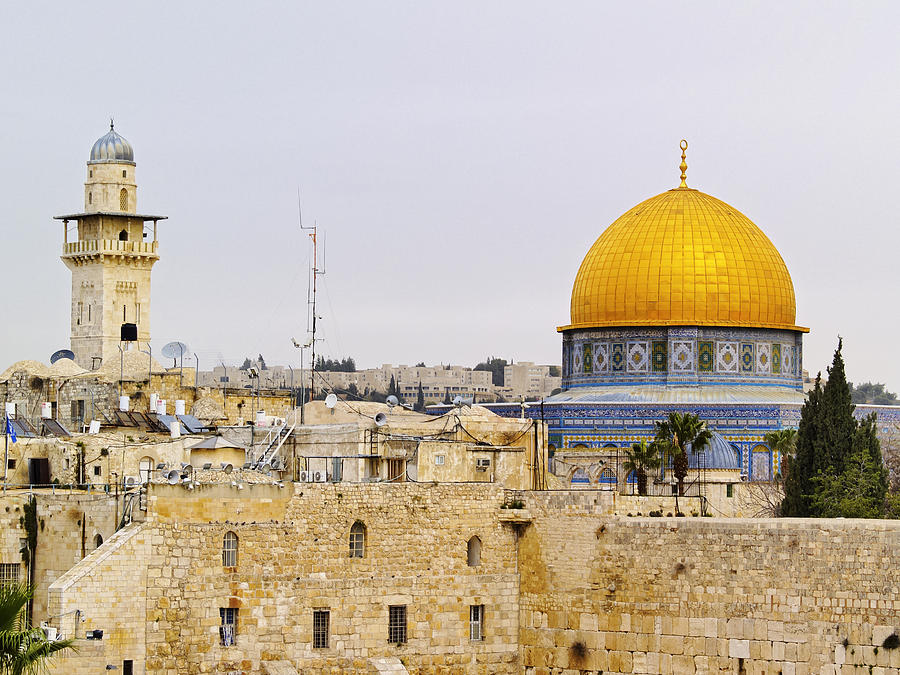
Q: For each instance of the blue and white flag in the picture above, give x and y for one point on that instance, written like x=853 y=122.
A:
x=10 y=429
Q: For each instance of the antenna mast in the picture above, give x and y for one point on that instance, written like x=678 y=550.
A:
x=312 y=231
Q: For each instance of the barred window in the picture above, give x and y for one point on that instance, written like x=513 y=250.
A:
x=229 y=625
x=229 y=550
x=397 y=624
x=321 y=620
x=123 y=200
x=9 y=573
x=476 y=622
x=358 y=540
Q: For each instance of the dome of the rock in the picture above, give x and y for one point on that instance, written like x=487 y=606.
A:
x=683 y=258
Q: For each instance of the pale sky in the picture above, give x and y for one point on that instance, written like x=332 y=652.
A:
x=460 y=159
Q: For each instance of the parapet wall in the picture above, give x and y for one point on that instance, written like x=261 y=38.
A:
x=685 y=595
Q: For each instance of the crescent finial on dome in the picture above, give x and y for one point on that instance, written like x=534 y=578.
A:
x=683 y=145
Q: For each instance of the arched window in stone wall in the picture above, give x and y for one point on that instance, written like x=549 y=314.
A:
x=473 y=552
x=580 y=477
x=98 y=541
x=123 y=200
x=358 y=540
x=146 y=469
x=123 y=235
x=229 y=550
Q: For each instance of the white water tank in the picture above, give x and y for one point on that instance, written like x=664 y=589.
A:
x=153 y=399
x=260 y=418
x=124 y=403
x=175 y=429
x=179 y=407
x=10 y=409
x=46 y=410
x=161 y=406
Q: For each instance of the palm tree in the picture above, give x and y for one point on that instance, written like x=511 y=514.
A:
x=640 y=458
x=24 y=650
x=676 y=434
x=783 y=441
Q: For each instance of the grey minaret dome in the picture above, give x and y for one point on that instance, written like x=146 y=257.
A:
x=111 y=147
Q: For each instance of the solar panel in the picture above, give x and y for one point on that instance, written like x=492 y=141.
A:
x=168 y=420
x=23 y=429
x=54 y=428
x=123 y=419
x=156 y=424
x=192 y=423
x=141 y=419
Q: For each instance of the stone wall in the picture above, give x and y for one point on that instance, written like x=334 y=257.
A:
x=686 y=595
x=111 y=596
x=293 y=557
x=68 y=525
x=567 y=587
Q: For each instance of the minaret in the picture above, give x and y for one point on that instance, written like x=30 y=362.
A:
x=110 y=255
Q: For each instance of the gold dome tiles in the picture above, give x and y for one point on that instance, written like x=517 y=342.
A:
x=683 y=258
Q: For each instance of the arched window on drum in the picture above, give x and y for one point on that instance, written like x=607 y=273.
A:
x=761 y=463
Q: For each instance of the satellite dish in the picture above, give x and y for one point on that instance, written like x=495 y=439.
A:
x=266 y=468
x=380 y=419
x=458 y=401
x=392 y=401
x=62 y=354
x=173 y=477
x=331 y=400
x=175 y=350
x=227 y=468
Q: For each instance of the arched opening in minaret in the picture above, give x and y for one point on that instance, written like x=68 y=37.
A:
x=123 y=235
x=123 y=199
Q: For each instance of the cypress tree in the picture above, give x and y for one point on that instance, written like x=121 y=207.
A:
x=837 y=469
x=798 y=486
x=838 y=424
x=420 y=399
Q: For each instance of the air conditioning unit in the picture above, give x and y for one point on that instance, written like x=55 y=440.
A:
x=312 y=477
x=482 y=464
x=131 y=481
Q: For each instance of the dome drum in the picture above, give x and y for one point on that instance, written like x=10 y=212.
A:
x=682 y=356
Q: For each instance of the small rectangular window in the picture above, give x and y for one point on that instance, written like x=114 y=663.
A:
x=128 y=667
x=439 y=460
x=729 y=490
x=10 y=464
x=321 y=620
x=476 y=622
x=397 y=624
x=229 y=625
x=96 y=469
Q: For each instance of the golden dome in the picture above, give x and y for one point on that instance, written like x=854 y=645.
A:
x=683 y=258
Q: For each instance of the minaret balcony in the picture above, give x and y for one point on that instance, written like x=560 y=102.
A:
x=111 y=247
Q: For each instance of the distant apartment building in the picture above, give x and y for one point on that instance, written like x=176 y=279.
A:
x=520 y=380
x=437 y=382
x=527 y=380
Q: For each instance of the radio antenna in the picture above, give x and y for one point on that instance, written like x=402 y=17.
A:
x=311 y=301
